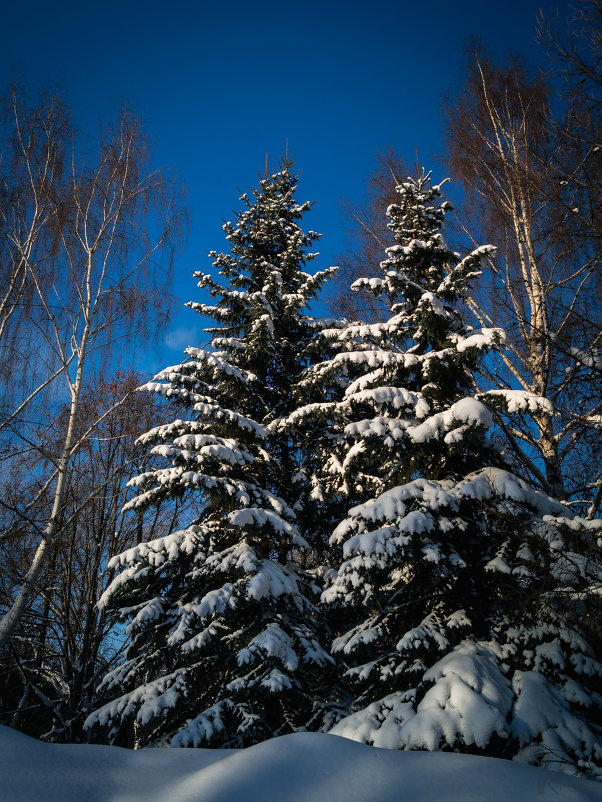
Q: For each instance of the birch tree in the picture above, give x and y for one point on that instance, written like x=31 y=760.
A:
x=64 y=644
x=526 y=190
x=90 y=238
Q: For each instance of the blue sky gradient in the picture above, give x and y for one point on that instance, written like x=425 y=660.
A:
x=218 y=86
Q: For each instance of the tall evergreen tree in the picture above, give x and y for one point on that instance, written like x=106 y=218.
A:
x=224 y=633
x=466 y=601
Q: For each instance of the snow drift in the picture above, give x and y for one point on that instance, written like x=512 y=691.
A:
x=306 y=767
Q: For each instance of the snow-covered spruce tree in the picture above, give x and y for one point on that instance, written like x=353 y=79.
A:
x=466 y=601
x=224 y=644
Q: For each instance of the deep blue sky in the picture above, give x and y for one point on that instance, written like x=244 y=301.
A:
x=218 y=85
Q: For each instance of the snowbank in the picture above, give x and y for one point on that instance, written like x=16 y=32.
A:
x=306 y=767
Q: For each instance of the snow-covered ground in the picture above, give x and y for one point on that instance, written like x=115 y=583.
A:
x=306 y=767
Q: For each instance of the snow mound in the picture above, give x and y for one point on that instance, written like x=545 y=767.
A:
x=306 y=767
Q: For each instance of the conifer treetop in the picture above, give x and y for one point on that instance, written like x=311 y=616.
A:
x=468 y=598
x=222 y=616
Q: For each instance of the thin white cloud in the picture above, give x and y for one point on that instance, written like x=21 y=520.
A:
x=179 y=338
